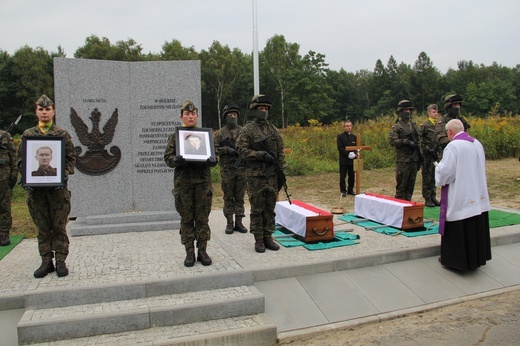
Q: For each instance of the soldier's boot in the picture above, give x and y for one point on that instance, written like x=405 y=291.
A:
x=229 y=226
x=239 y=227
x=259 y=245
x=435 y=201
x=4 y=239
x=189 y=261
x=45 y=268
x=202 y=255
x=428 y=202
x=271 y=244
x=61 y=268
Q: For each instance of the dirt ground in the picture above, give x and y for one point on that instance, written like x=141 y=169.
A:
x=492 y=320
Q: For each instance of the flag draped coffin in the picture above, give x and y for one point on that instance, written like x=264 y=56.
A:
x=308 y=223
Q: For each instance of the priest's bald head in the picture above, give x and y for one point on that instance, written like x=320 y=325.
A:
x=453 y=127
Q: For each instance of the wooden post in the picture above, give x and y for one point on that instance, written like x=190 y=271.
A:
x=358 y=161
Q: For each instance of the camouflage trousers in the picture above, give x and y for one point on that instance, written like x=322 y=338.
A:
x=193 y=203
x=428 y=179
x=405 y=175
x=262 y=194
x=234 y=188
x=50 y=210
x=6 y=220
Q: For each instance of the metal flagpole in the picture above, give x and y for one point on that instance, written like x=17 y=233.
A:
x=255 y=52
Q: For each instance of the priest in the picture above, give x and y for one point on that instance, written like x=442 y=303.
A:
x=464 y=222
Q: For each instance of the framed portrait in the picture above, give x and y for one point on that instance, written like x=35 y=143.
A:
x=195 y=144
x=43 y=161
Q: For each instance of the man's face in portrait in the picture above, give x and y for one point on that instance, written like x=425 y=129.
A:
x=44 y=157
x=194 y=142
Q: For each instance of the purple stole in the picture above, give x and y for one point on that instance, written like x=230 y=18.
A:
x=444 y=189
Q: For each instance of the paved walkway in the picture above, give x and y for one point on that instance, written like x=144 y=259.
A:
x=305 y=291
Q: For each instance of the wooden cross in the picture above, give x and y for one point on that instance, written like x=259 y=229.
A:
x=358 y=161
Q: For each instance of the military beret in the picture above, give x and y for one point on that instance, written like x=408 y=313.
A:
x=189 y=106
x=44 y=101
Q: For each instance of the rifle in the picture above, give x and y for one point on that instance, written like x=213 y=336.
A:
x=418 y=150
x=432 y=153
x=280 y=175
x=226 y=142
x=13 y=124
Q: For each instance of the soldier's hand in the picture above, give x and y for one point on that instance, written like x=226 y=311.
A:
x=27 y=188
x=268 y=158
x=231 y=151
x=12 y=182
x=211 y=161
x=179 y=160
x=412 y=143
x=64 y=186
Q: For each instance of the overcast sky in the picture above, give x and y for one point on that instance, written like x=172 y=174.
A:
x=352 y=34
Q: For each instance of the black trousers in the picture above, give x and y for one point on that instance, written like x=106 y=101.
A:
x=345 y=170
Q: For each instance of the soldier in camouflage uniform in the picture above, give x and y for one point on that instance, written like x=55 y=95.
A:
x=192 y=191
x=232 y=169
x=262 y=188
x=431 y=154
x=8 y=175
x=452 y=105
x=404 y=136
x=50 y=206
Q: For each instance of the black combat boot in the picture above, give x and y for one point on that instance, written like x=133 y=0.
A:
x=45 y=268
x=4 y=239
x=271 y=244
x=428 y=202
x=239 y=227
x=189 y=261
x=435 y=201
x=61 y=268
x=229 y=226
x=202 y=255
x=259 y=245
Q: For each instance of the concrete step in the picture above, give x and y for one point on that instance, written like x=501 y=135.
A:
x=250 y=330
x=125 y=222
x=51 y=324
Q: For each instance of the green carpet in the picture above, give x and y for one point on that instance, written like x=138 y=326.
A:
x=15 y=240
x=430 y=227
x=286 y=238
x=497 y=218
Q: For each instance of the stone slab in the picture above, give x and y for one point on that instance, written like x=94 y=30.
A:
x=148 y=97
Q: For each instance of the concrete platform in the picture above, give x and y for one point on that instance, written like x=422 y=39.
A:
x=304 y=291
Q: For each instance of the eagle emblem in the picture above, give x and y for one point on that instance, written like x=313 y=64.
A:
x=96 y=160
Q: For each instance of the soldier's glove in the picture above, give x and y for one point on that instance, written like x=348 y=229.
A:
x=231 y=151
x=431 y=151
x=352 y=155
x=268 y=158
x=179 y=160
x=12 y=182
x=412 y=143
x=211 y=161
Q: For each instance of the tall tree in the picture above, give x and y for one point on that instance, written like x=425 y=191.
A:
x=174 y=50
x=282 y=60
x=425 y=82
x=219 y=71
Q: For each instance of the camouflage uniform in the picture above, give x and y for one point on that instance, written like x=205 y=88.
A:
x=50 y=207
x=431 y=154
x=262 y=190
x=233 y=176
x=8 y=175
x=401 y=136
x=192 y=191
x=452 y=113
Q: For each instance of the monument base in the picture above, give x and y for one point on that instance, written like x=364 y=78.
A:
x=125 y=222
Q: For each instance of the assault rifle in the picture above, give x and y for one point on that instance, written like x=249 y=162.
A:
x=13 y=124
x=418 y=150
x=226 y=142
x=280 y=175
x=432 y=153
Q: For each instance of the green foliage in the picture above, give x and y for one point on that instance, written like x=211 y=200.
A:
x=314 y=150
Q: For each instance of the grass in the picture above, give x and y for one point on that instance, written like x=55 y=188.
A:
x=323 y=190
